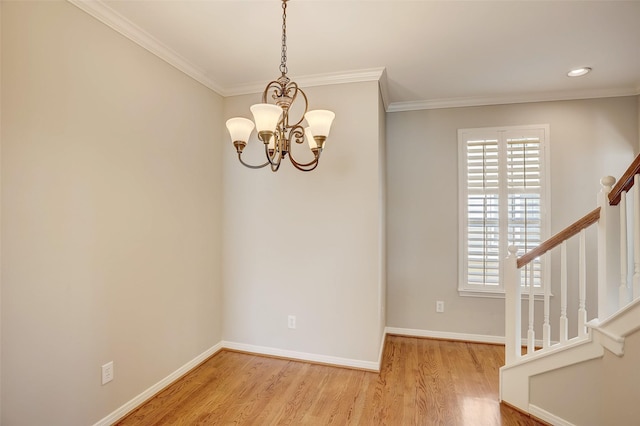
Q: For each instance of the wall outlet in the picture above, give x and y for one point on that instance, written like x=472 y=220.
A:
x=107 y=373
x=291 y=321
x=440 y=306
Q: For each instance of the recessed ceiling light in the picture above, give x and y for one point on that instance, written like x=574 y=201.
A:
x=578 y=72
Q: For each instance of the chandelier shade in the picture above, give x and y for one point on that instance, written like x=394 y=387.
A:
x=275 y=128
x=320 y=121
x=310 y=140
x=240 y=128
x=266 y=117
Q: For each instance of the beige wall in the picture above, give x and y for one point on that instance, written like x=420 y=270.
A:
x=111 y=222
x=598 y=392
x=115 y=188
x=308 y=244
x=589 y=139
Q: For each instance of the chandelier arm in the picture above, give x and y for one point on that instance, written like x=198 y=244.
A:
x=305 y=167
x=296 y=134
x=249 y=165
x=275 y=167
x=275 y=85
x=297 y=90
x=272 y=159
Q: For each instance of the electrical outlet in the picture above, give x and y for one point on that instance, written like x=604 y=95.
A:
x=107 y=373
x=291 y=321
x=440 y=306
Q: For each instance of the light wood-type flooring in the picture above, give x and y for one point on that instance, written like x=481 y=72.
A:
x=422 y=382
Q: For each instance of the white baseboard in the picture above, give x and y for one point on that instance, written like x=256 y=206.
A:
x=479 y=338
x=547 y=416
x=449 y=335
x=138 y=400
x=260 y=350
x=383 y=340
x=303 y=356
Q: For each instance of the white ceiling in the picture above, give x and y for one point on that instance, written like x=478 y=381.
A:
x=435 y=53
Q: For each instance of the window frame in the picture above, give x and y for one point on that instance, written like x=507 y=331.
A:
x=501 y=134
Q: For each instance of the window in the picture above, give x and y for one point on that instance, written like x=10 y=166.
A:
x=503 y=198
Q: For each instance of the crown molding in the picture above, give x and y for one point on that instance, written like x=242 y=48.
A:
x=384 y=89
x=122 y=25
x=515 y=99
x=119 y=23
x=328 y=79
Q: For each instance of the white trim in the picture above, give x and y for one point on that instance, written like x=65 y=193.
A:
x=553 y=349
x=450 y=335
x=478 y=338
x=621 y=322
x=356 y=76
x=515 y=99
x=384 y=89
x=303 y=356
x=138 y=400
x=102 y=12
x=610 y=341
x=537 y=296
x=382 y=345
x=119 y=23
x=542 y=414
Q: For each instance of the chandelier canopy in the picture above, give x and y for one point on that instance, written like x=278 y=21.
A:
x=272 y=121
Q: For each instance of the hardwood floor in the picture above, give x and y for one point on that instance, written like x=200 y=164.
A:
x=422 y=382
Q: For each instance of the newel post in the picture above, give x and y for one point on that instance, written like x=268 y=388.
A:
x=513 y=306
x=608 y=251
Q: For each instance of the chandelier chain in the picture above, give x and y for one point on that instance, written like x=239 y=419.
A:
x=283 y=59
x=272 y=123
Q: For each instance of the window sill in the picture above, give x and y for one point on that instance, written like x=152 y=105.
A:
x=498 y=294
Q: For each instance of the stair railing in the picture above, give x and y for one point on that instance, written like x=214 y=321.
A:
x=615 y=290
x=514 y=290
x=627 y=290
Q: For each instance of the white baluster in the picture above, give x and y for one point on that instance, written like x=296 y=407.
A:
x=636 y=236
x=582 y=283
x=513 y=308
x=623 y=292
x=608 y=247
x=564 y=322
x=531 y=334
x=546 y=327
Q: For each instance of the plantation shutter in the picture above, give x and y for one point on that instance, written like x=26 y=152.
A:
x=502 y=199
x=483 y=212
x=524 y=187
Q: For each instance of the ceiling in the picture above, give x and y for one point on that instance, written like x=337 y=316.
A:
x=427 y=53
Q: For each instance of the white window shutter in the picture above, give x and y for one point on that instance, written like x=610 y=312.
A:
x=502 y=197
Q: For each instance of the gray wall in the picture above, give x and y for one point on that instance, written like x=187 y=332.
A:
x=111 y=220
x=589 y=139
x=308 y=244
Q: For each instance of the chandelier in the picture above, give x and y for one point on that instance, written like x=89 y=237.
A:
x=275 y=128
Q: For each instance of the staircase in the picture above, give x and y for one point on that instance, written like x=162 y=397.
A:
x=560 y=381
